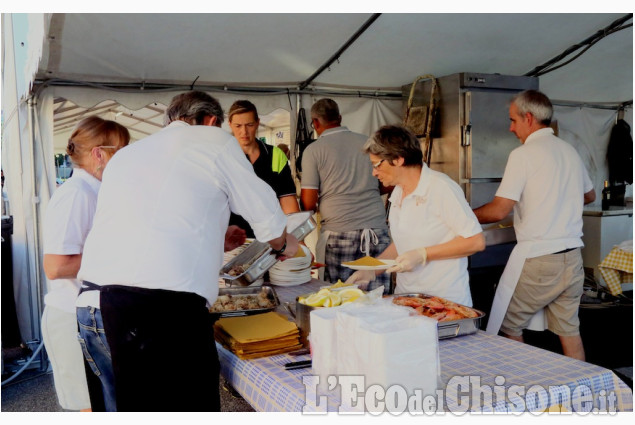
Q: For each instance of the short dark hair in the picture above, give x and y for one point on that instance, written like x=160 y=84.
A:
x=393 y=141
x=327 y=111
x=242 y=107
x=192 y=107
x=536 y=103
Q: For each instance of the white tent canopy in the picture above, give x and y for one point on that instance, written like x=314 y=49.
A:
x=284 y=50
x=283 y=61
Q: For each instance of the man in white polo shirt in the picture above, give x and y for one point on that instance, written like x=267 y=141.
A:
x=546 y=185
x=154 y=253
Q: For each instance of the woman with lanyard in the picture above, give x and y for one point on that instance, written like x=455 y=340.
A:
x=432 y=226
x=69 y=217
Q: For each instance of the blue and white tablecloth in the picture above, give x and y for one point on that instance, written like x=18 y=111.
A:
x=479 y=373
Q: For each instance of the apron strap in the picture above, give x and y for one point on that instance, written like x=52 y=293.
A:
x=89 y=286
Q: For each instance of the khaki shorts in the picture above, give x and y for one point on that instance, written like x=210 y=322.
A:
x=554 y=282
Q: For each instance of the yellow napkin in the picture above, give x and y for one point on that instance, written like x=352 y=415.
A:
x=258 y=327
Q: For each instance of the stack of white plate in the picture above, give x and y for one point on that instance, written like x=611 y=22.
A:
x=292 y=271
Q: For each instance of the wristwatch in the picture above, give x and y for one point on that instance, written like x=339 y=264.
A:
x=281 y=250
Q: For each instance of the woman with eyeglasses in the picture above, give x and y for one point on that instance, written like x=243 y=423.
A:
x=432 y=226
x=69 y=217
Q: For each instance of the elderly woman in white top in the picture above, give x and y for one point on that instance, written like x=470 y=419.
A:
x=69 y=217
x=432 y=226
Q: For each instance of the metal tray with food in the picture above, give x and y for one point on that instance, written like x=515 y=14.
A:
x=244 y=301
x=248 y=266
x=454 y=319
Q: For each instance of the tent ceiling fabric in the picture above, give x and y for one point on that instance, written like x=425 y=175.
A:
x=285 y=49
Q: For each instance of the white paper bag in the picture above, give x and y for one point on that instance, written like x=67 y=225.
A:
x=323 y=340
x=348 y=324
x=391 y=349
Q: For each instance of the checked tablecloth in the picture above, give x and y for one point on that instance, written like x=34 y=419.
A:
x=617 y=268
x=495 y=361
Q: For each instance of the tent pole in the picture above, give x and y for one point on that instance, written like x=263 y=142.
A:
x=341 y=50
x=36 y=310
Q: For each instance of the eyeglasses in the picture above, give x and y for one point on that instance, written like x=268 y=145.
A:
x=109 y=147
x=377 y=164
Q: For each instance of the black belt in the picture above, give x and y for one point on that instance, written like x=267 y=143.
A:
x=563 y=251
x=89 y=286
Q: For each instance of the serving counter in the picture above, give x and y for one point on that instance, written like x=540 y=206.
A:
x=531 y=379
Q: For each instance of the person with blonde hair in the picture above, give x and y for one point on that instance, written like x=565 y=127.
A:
x=69 y=217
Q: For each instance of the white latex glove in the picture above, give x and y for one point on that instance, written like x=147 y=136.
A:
x=409 y=260
x=361 y=278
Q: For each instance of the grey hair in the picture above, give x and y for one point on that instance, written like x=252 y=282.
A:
x=393 y=141
x=536 y=103
x=327 y=111
x=192 y=107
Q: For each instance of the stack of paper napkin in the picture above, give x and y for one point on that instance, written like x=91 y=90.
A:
x=260 y=335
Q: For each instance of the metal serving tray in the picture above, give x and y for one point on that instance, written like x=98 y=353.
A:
x=256 y=259
x=307 y=224
x=255 y=290
x=452 y=328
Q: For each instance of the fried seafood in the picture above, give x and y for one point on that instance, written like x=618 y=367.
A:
x=437 y=308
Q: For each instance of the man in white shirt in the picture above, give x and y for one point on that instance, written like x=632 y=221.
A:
x=155 y=251
x=546 y=185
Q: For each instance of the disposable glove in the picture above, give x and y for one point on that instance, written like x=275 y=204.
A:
x=409 y=260
x=362 y=278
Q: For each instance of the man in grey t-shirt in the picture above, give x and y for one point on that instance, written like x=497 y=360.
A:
x=338 y=178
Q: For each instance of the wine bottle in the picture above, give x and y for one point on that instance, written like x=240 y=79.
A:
x=606 y=196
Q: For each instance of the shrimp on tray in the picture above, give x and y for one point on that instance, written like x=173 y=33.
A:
x=435 y=307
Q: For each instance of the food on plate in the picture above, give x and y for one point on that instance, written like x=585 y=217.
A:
x=327 y=298
x=228 y=302
x=437 y=308
x=339 y=285
x=365 y=261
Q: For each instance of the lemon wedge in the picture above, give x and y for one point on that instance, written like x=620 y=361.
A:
x=350 y=295
x=316 y=300
x=332 y=300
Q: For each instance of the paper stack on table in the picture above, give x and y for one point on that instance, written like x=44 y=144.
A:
x=259 y=335
x=381 y=342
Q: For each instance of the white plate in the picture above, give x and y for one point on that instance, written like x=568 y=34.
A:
x=387 y=265
x=353 y=285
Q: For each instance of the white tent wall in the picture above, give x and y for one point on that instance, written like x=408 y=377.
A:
x=29 y=177
x=589 y=131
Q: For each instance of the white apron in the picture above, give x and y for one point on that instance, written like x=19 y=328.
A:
x=505 y=290
x=320 y=252
x=368 y=236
